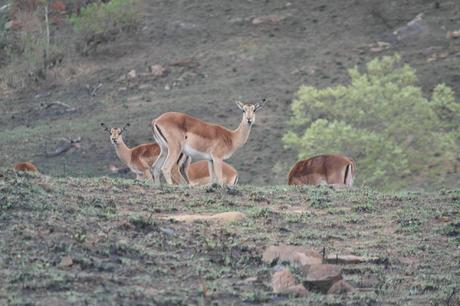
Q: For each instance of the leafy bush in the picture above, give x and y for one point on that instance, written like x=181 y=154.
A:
x=382 y=120
x=104 y=17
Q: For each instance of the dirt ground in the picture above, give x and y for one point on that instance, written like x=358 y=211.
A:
x=217 y=52
x=115 y=241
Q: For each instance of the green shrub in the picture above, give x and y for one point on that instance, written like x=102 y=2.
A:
x=381 y=119
x=104 y=17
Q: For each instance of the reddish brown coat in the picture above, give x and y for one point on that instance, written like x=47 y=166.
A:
x=25 y=166
x=323 y=169
x=198 y=174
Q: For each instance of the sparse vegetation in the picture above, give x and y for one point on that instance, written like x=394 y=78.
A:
x=100 y=17
x=384 y=122
x=85 y=240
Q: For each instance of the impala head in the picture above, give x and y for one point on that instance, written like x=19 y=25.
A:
x=249 y=110
x=115 y=133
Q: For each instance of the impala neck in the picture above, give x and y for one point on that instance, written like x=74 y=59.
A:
x=123 y=152
x=241 y=134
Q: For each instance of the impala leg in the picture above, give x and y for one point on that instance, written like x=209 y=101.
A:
x=157 y=167
x=148 y=175
x=183 y=169
x=170 y=162
x=218 y=170
x=139 y=176
x=212 y=176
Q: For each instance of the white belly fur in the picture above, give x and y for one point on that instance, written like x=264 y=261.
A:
x=196 y=154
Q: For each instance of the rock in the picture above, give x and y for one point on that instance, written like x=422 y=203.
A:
x=303 y=260
x=250 y=280
x=66 y=261
x=287 y=253
x=453 y=34
x=158 y=70
x=283 y=282
x=297 y=290
x=380 y=46
x=321 y=276
x=347 y=259
x=414 y=27
x=442 y=218
x=270 y=19
x=131 y=74
x=340 y=287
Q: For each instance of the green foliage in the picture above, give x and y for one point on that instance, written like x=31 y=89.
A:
x=381 y=120
x=103 y=17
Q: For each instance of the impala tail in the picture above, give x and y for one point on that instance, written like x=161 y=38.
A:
x=349 y=174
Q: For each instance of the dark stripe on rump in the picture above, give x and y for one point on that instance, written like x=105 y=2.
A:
x=161 y=133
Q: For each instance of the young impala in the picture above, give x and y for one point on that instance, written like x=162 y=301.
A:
x=139 y=159
x=336 y=170
x=178 y=133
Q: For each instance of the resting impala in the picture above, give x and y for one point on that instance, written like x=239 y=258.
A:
x=25 y=166
x=336 y=170
x=198 y=174
x=178 y=133
x=141 y=158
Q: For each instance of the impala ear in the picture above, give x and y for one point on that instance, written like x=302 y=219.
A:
x=105 y=127
x=240 y=105
x=259 y=105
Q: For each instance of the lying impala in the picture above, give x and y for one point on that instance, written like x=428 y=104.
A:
x=198 y=174
x=141 y=158
x=336 y=170
x=178 y=133
x=25 y=166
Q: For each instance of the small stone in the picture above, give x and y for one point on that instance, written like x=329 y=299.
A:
x=321 y=276
x=131 y=75
x=270 y=19
x=66 y=261
x=453 y=34
x=340 y=287
x=250 y=280
x=145 y=86
x=158 y=70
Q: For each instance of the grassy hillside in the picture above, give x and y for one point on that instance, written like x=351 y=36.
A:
x=106 y=241
x=215 y=53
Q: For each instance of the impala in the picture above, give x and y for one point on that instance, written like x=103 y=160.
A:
x=178 y=133
x=336 y=170
x=141 y=158
x=25 y=166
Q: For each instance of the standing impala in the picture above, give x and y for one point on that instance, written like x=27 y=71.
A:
x=139 y=159
x=178 y=133
x=336 y=170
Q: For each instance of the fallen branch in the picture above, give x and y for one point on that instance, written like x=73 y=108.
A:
x=67 y=108
x=93 y=90
x=66 y=146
